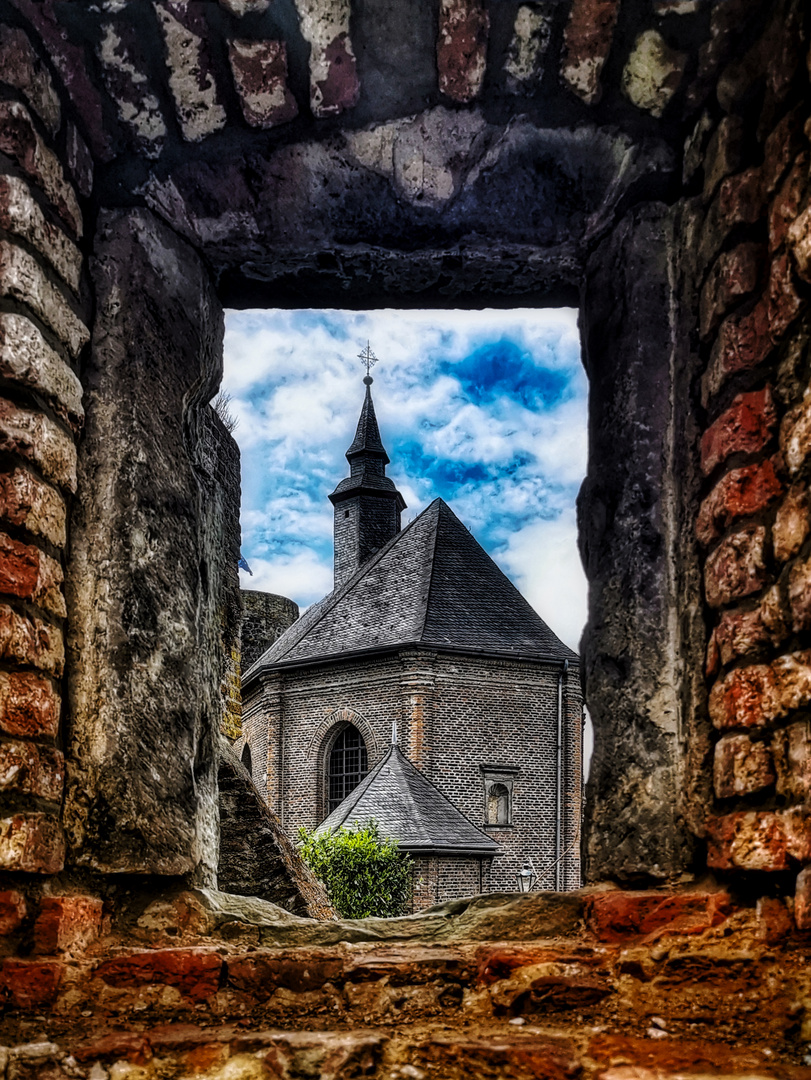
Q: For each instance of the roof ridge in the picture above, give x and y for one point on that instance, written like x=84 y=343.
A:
x=416 y=816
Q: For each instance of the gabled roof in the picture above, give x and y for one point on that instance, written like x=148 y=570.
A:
x=408 y=808
x=431 y=585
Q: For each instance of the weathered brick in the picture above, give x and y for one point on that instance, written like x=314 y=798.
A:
x=724 y=153
x=743 y=342
x=798 y=242
x=37 y=438
x=791 y=523
x=781 y=149
x=524 y=66
x=799 y=594
x=191 y=72
x=787 y=202
x=461 y=51
x=28 y=360
x=740 y=633
x=260 y=77
x=795 y=435
x=21 y=215
x=791 y=749
x=29 y=769
x=71 y=62
x=23 y=280
x=30 y=641
x=618 y=915
x=694 y=146
x=745 y=427
x=802 y=899
x=28 y=502
x=740 y=201
x=262 y=972
x=736 y=568
x=132 y=1047
x=29 y=705
x=124 y=71
x=587 y=43
x=29 y=984
x=12 y=911
x=67 y=924
x=334 y=84
x=80 y=162
x=741 y=766
x=734 y=275
x=759 y=840
x=21 y=68
x=653 y=72
x=244 y=7
x=195 y=972
x=784 y=303
x=774 y=921
x=32 y=843
x=20 y=140
x=755 y=695
x=739 y=493
x=774 y=614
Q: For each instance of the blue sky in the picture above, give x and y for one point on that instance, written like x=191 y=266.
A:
x=486 y=409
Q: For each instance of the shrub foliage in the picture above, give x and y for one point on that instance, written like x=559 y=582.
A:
x=363 y=872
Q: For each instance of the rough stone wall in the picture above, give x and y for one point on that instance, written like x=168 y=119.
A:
x=265 y=617
x=455 y=717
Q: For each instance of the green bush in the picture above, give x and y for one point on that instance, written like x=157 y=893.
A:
x=363 y=873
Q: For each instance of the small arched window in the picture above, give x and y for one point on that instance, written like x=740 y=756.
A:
x=246 y=759
x=347 y=765
x=498 y=805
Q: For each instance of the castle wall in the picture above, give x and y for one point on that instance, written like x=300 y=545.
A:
x=265 y=617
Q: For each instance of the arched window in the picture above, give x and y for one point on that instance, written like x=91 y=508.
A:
x=347 y=765
x=498 y=805
x=246 y=759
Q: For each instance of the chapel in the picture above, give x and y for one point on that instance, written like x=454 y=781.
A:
x=423 y=692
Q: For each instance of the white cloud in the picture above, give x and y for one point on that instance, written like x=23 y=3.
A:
x=302 y=576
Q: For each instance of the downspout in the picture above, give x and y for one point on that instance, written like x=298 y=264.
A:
x=559 y=778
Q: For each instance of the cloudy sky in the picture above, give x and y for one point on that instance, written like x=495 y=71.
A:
x=486 y=409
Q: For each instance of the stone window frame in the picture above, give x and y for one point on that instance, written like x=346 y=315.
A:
x=324 y=740
x=492 y=776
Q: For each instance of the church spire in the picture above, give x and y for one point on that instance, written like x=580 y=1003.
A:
x=367 y=504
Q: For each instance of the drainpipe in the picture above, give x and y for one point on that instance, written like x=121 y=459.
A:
x=559 y=778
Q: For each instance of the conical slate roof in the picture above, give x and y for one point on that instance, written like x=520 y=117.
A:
x=408 y=808
x=432 y=585
x=367 y=437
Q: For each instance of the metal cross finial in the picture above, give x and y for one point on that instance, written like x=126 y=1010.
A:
x=368 y=358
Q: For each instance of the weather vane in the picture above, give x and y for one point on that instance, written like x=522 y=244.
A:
x=368 y=358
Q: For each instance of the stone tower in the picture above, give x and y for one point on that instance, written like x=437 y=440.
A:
x=367 y=504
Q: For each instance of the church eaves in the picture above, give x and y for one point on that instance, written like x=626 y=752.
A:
x=408 y=808
x=432 y=585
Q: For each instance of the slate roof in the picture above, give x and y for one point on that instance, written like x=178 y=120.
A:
x=367 y=436
x=408 y=808
x=432 y=585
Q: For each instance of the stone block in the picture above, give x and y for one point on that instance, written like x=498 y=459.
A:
x=195 y=972
x=802 y=899
x=20 y=215
x=38 y=439
x=334 y=84
x=245 y=7
x=653 y=73
x=774 y=921
x=742 y=343
x=29 y=641
x=587 y=41
x=70 y=61
x=786 y=204
x=740 y=633
x=759 y=840
x=739 y=201
x=21 y=141
x=124 y=70
x=784 y=303
x=618 y=916
x=798 y=242
x=262 y=972
x=29 y=769
x=461 y=52
x=799 y=594
x=744 y=428
x=30 y=574
x=12 y=911
x=524 y=66
x=132 y=1047
x=741 y=766
x=739 y=493
x=21 y=68
x=774 y=614
x=724 y=153
x=191 y=72
x=29 y=705
x=23 y=280
x=694 y=146
x=795 y=435
x=29 y=984
x=80 y=162
x=791 y=749
x=32 y=843
x=67 y=924
x=260 y=77
x=791 y=523
x=781 y=149
x=27 y=502
x=734 y=275
x=746 y=697
x=28 y=360
x=737 y=566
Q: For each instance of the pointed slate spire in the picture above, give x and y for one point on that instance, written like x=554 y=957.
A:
x=367 y=504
